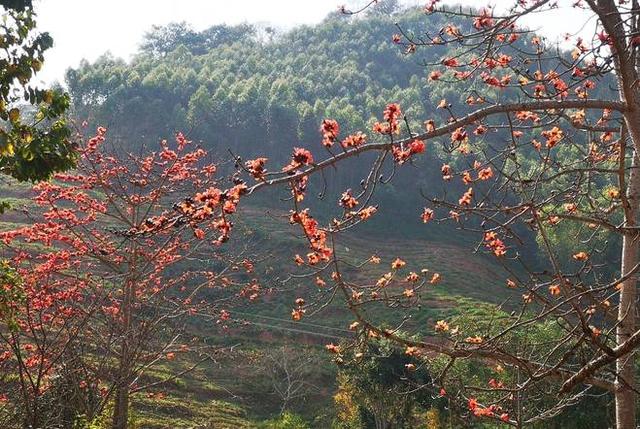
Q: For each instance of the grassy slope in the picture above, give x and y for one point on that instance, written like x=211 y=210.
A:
x=229 y=395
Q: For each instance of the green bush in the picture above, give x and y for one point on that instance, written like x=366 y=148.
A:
x=286 y=420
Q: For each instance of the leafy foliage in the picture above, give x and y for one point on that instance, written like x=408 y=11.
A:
x=381 y=386
x=34 y=137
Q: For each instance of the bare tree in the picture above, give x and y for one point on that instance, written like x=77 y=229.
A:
x=288 y=369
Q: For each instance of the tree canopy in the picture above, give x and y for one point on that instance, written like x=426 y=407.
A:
x=34 y=137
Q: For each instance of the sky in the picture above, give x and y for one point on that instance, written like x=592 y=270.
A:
x=89 y=28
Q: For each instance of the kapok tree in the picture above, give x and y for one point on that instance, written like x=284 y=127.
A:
x=558 y=161
x=95 y=307
x=559 y=158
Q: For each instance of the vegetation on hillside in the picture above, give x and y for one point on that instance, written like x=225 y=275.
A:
x=470 y=259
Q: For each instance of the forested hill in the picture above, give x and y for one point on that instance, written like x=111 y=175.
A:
x=254 y=90
x=257 y=92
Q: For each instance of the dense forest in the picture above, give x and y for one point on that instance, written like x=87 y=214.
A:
x=228 y=330
x=251 y=92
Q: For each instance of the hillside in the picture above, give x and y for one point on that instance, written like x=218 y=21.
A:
x=395 y=217
x=243 y=93
x=229 y=392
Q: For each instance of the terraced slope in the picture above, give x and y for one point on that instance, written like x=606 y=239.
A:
x=228 y=393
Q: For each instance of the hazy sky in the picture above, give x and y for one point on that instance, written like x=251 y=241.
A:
x=88 y=28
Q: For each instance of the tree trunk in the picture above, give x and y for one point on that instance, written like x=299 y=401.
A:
x=121 y=407
x=625 y=383
x=626 y=69
x=121 y=401
x=625 y=366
